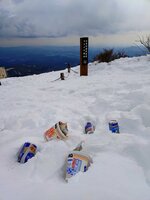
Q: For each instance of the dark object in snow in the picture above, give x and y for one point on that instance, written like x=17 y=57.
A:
x=62 y=77
x=113 y=126
x=68 y=67
x=89 y=128
x=26 y=152
x=0 y=83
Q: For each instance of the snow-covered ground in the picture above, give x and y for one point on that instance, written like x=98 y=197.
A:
x=121 y=162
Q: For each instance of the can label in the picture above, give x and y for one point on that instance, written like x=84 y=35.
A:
x=50 y=134
x=113 y=126
x=77 y=162
x=74 y=166
x=89 y=128
x=26 y=152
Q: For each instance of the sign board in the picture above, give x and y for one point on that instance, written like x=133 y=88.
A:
x=84 y=56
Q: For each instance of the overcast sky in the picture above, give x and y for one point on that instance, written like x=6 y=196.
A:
x=64 y=21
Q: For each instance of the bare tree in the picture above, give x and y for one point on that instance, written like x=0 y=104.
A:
x=145 y=41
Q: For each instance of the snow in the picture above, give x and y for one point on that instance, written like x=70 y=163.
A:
x=30 y=105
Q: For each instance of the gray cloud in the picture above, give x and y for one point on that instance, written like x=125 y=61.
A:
x=11 y=26
x=17 y=1
x=57 y=18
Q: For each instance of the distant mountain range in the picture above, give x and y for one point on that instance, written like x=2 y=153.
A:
x=22 y=61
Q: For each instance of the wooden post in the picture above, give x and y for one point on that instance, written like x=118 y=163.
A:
x=62 y=77
x=84 y=56
x=69 y=68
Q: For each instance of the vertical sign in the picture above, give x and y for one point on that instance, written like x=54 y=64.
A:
x=84 y=56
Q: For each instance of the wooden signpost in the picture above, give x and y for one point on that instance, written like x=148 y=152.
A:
x=84 y=56
x=62 y=77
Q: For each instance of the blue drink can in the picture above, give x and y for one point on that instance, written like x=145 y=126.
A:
x=26 y=152
x=113 y=126
x=89 y=128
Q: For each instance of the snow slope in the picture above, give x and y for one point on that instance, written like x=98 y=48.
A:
x=121 y=162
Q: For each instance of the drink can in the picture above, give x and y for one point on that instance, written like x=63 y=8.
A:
x=26 y=152
x=58 y=131
x=113 y=126
x=77 y=161
x=89 y=128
